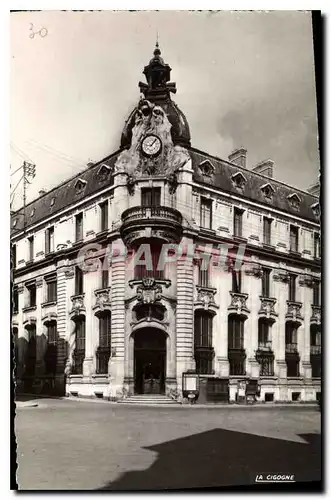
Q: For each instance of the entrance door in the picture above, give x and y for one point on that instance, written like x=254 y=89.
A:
x=150 y=361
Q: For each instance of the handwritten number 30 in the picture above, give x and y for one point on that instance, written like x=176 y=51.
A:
x=42 y=32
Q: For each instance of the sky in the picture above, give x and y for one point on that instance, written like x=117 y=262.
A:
x=243 y=79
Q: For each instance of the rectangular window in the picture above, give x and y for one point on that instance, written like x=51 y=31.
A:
x=267 y=231
x=266 y=365
x=79 y=353
x=294 y=238
x=317 y=246
x=237 y=221
x=79 y=281
x=203 y=338
x=104 y=216
x=236 y=334
x=236 y=281
x=51 y=284
x=31 y=295
x=206 y=213
x=105 y=331
x=51 y=333
x=104 y=273
x=203 y=277
x=49 y=240
x=15 y=300
x=13 y=256
x=263 y=333
x=31 y=247
x=316 y=294
x=79 y=227
x=266 y=282
x=290 y=337
x=151 y=197
x=292 y=367
x=292 y=288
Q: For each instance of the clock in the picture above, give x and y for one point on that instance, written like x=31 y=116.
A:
x=151 y=145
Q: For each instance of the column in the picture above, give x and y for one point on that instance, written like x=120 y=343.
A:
x=116 y=361
x=278 y=341
x=41 y=330
x=222 y=280
x=252 y=286
x=184 y=315
x=91 y=283
x=62 y=325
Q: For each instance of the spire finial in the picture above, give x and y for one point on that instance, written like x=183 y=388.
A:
x=157 y=51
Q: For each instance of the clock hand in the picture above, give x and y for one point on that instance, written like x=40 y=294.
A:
x=152 y=143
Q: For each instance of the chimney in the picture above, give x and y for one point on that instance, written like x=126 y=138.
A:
x=265 y=167
x=238 y=157
x=42 y=192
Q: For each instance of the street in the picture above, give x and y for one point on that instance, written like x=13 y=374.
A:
x=98 y=446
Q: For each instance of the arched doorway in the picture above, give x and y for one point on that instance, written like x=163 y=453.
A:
x=149 y=361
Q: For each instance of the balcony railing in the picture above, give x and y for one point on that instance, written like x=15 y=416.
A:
x=160 y=222
x=291 y=347
x=315 y=349
x=265 y=345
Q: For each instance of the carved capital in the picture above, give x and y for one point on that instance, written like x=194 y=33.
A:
x=255 y=270
x=205 y=297
x=282 y=276
x=39 y=282
x=69 y=272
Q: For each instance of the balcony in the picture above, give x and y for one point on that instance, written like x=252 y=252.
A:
x=141 y=223
x=315 y=314
x=293 y=312
x=265 y=346
x=78 y=307
x=267 y=307
x=315 y=350
x=291 y=348
x=102 y=300
x=238 y=303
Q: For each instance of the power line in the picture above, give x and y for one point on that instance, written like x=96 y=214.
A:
x=55 y=152
x=21 y=153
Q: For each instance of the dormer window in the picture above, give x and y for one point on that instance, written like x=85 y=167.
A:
x=14 y=223
x=239 y=181
x=80 y=186
x=316 y=210
x=267 y=191
x=52 y=201
x=33 y=211
x=294 y=201
x=104 y=172
x=207 y=168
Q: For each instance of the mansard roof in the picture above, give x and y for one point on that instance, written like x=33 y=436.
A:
x=65 y=194
x=222 y=178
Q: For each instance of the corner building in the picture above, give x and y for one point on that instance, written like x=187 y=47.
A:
x=90 y=320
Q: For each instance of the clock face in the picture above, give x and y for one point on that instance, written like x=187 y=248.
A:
x=151 y=145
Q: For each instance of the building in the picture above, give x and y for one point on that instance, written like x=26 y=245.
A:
x=95 y=311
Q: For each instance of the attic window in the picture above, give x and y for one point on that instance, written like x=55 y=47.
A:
x=316 y=209
x=52 y=201
x=14 y=223
x=268 y=191
x=207 y=168
x=33 y=211
x=294 y=201
x=238 y=180
x=80 y=186
x=104 y=172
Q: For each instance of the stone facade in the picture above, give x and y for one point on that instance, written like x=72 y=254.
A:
x=235 y=300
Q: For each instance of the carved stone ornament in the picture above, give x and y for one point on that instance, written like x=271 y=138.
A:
x=69 y=272
x=151 y=119
x=315 y=314
x=130 y=183
x=267 y=308
x=102 y=299
x=254 y=270
x=77 y=305
x=294 y=311
x=206 y=297
x=306 y=280
x=149 y=292
x=238 y=303
x=39 y=282
x=172 y=183
x=282 y=276
x=20 y=288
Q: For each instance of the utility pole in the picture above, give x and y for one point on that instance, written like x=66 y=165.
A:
x=29 y=172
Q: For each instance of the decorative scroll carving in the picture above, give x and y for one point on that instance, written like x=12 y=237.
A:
x=205 y=297
x=103 y=302
x=151 y=119
x=69 y=272
x=315 y=314
x=254 y=270
x=238 y=303
x=78 y=307
x=267 y=308
x=294 y=311
x=149 y=292
x=282 y=276
x=39 y=283
x=306 y=280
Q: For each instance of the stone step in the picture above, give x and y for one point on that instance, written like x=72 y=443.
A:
x=151 y=399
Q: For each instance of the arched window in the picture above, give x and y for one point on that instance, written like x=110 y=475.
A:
x=264 y=355
x=104 y=348
x=150 y=311
x=79 y=353
x=236 y=351
x=203 y=342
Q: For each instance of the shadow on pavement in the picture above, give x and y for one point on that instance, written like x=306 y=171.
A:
x=220 y=457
